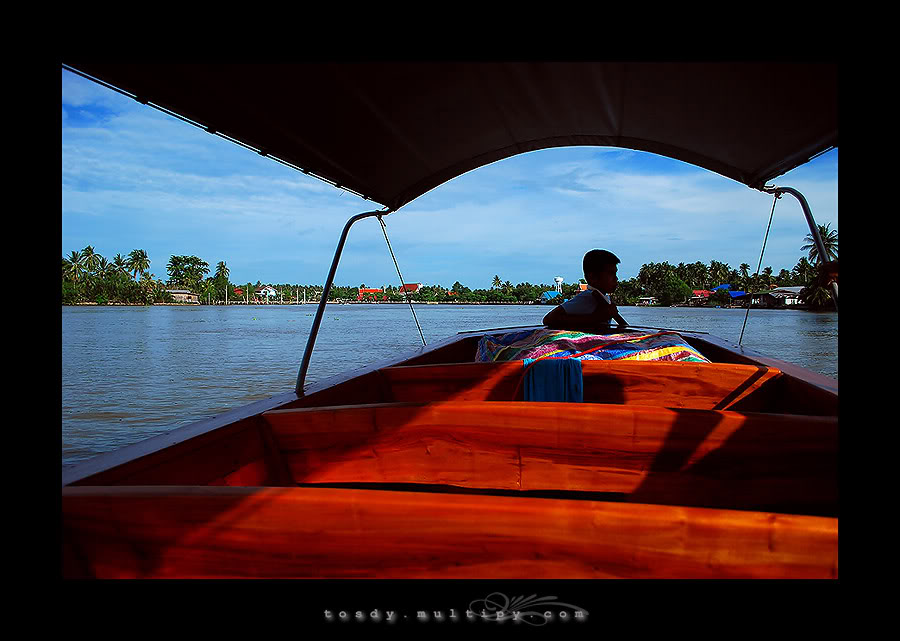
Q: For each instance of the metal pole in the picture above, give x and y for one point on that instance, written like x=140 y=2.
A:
x=320 y=311
x=823 y=256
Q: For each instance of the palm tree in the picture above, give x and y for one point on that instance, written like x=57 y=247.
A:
x=815 y=295
x=73 y=268
x=829 y=240
x=745 y=275
x=803 y=271
x=118 y=262
x=73 y=265
x=700 y=274
x=137 y=262
x=207 y=289
x=682 y=271
x=719 y=272
x=222 y=273
x=149 y=286
x=91 y=258
x=496 y=282
x=102 y=274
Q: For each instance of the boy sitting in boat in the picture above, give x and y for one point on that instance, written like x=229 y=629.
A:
x=591 y=310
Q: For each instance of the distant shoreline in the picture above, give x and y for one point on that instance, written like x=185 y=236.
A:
x=332 y=302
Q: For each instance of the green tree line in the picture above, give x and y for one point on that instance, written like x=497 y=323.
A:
x=89 y=277
x=675 y=283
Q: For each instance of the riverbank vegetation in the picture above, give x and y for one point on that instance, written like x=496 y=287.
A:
x=88 y=277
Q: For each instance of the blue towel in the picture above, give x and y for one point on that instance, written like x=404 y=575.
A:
x=557 y=380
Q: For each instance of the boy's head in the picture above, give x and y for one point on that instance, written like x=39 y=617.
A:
x=600 y=270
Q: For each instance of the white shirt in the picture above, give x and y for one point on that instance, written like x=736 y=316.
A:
x=584 y=302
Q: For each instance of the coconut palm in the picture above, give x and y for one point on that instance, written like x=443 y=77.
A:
x=101 y=272
x=682 y=271
x=829 y=240
x=222 y=274
x=719 y=272
x=803 y=271
x=222 y=270
x=73 y=265
x=745 y=275
x=496 y=282
x=119 y=264
x=815 y=295
x=207 y=289
x=73 y=268
x=91 y=258
x=149 y=285
x=137 y=262
x=700 y=275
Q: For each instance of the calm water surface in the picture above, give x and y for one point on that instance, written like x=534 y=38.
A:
x=129 y=373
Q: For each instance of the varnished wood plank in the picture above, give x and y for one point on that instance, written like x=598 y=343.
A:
x=458 y=381
x=277 y=469
x=301 y=532
x=664 y=384
x=686 y=457
x=681 y=385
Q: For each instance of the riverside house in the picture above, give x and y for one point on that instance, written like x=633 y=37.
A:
x=788 y=296
x=780 y=297
x=371 y=294
x=184 y=296
x=265 y=293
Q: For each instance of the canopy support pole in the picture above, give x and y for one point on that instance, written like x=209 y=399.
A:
x=320 y=311
x=813 y=228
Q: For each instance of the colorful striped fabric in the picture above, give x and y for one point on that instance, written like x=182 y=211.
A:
x=537 y=344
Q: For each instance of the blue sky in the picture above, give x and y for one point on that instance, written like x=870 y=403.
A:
x=135 y=178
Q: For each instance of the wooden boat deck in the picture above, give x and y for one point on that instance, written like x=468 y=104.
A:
x=431 y=467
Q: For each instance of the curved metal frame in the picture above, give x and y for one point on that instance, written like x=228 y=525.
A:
x=320 y=311
x=823 y=255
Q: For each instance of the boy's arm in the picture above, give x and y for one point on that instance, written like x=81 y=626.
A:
x=556 y=318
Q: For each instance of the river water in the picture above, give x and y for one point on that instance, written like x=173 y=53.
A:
x=129 y=373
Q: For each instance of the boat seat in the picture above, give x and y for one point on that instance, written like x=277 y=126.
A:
x=659 y=383
x=704 y=458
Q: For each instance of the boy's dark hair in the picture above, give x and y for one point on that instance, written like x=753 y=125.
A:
x=596 y=259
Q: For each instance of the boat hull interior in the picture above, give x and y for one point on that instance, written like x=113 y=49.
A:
x=433 y=466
